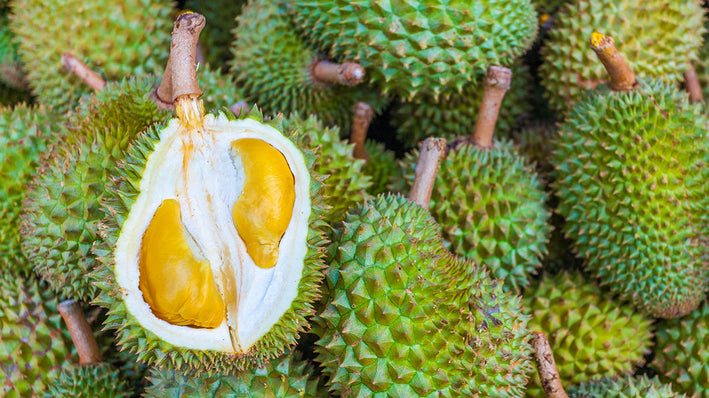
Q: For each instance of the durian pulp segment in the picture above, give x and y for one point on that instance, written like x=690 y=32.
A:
x=206 y=177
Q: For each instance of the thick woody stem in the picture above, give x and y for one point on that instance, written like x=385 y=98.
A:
x=326 y=73
x=426 y=169
x=497 y=82
x=546 y=366
x=363 y=115
x=180 y=77
x=621 y=74
x=82 y=71
x=80 y=332
x=239 y=107
x=691 y=84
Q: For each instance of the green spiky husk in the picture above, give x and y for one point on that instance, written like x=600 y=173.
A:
x=285 y=377
x=128 y=38
x=273 y=64
x=590 y=336
x=657 y=37
x=490 y=204
x=11 y=73
x=34 y=343
x=381 y=165
x=626 y=387
x=216 y=37
x=222 y=91
x=406 y=318
x=681 y=354
x=455 y=114
x=63 y=208
x=99 y=381
x=701 y=65
x=631 y=181
x=420 y=47
x=149 y=348
x=25 y=133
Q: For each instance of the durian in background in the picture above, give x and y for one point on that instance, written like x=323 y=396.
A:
x=12 y=76
x=215 y=41
x=624 y=387
x=100 y=381
x=630 y=166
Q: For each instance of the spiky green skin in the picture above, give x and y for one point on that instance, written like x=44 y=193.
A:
x=409 y=319
x=91 y=381
x=219 y=88
x=11 y=73
x=63 y=208
x=34 y=343
x=285 y=377
x=657 y=37
x=381 y=165
x=490 y=204
x=455 y=114
x=273 y=64
x=701 y=66
x=536 y=142
x=589 y=334
x=216 y=37
x=115 y=38
x=25 y=132
x=150 y=349
x=626 y=387
x=420 y=47
x=632 y=185
x=682 y=354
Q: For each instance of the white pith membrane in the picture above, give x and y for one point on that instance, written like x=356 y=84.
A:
x=206 y=187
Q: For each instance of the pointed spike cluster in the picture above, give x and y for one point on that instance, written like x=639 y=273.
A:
x=497 y=82
x=621 y=74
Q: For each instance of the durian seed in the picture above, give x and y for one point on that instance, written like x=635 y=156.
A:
x=264 y=208
x=176 y=280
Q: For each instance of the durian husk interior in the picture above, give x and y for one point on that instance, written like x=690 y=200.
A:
x=211 y=253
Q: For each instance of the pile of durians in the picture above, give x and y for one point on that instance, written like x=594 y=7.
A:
x=190 y=205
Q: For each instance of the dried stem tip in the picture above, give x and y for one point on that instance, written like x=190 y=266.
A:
x=80 y=332
x=621 y=74
x=79 y=69
x=363 y=114
x=180 y=77
x=548 y=373
x=691 y=84
x=497 y=82
x=326 y=73
x=426 y=170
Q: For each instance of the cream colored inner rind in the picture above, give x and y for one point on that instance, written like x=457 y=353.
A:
x=206 y=185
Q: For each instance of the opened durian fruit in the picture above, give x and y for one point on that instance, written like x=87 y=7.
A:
x=212 y=240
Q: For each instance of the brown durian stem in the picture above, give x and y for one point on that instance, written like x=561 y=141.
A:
x=497 y=82
x=691 y=84
x=325 y=73
x=363 y=115
x=426 y=169
x=180 y=77
x=79 y=69
x=80 y=332
x=621 y=74
x=548 y=373
x=239 y=107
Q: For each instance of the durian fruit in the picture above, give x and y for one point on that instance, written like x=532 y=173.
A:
x=536 y=141
x=11 y=73
x=118 y=38
x=212 y=254
x=660 y=37
x=549 y=7
x=100 y=381
x=34 y=345
x=681 y=354
x=24 y=134
x=453 y=114
x=277 y=69
x=589 y=334
x=420 y=47
x=631 y=186
x=284 y=377
x=625 y=387
x=217 y=36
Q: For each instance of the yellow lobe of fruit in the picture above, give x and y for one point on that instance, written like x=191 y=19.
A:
x=264 y=209
x=177 y=285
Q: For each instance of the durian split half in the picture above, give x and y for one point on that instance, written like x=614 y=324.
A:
x=212 y=251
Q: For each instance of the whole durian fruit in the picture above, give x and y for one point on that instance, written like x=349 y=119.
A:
x=420 y=47
x=625 y=387
x=211 y=257
x=681 y=355
x=660 y=36
x=34 y=345
x=277 y=69
x=118 y=38
x=632 y=188
x=589 y=335
x=284 y=377
x=95 y=381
